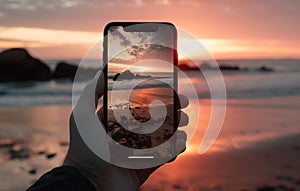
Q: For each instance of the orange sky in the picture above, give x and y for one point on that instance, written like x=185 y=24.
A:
x=230 y=29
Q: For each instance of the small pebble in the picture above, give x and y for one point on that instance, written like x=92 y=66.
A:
x=32 y=171
x=22 y=153
x=63 y=144
x=7 y=143
x=41 y=152
x=177 y=187
x=49 y=156
x=276 y=188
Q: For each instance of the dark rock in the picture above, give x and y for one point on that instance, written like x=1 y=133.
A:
x=275 y=188
x=138 y=76
x=50 y=156
x=7 y=143
x=118 y=134
x=128 y=75
x=17 y=65
x=190 y=66
x=187 y=67
x=205 y=66
x=146 y=141
x=178 y=187
x=265 y=69
x=227 y=67
x=115 y=77
x=63 y=144
x=266 y=188
x=64 y=70
x=22 y=153
x=41 y=152
x=32 y=171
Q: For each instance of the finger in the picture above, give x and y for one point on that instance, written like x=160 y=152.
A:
x=183 y=119
x=86 y=101
x=100 y=85
x=183 y=101
x=181 y=135
x=180 y=144
x=100 y=114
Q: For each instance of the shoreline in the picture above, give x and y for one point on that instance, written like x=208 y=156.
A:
x=230 y=164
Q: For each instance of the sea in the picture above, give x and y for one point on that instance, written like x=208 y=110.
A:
x=250 y=82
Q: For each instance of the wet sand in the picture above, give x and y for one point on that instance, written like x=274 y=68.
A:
x=33 y=140
x=138 y=108
x=270 y=165
x=259 y=146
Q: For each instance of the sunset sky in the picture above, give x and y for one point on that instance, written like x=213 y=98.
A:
x=231 y=29
x=141 y=51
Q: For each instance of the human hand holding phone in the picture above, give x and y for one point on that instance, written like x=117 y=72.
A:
x=103 y=175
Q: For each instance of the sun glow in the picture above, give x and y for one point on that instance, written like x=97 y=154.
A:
x=116 y=67
x=45 y=37
x=66 y=43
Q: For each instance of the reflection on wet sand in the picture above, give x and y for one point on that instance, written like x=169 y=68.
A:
x=138 y=106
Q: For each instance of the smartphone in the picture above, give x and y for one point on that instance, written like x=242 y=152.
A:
x=140 y=68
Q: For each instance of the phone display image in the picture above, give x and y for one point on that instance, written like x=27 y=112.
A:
x=140 y=85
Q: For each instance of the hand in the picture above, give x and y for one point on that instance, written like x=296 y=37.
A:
x=102 y=174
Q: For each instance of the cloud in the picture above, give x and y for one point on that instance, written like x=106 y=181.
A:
x=31 y=5
x=124 y=41
x=254 y=21
x=143 y=52
x=47 y=36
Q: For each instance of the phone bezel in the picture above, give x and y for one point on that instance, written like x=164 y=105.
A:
x=105 y=69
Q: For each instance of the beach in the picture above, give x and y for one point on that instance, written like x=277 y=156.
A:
x=258 y=146
x=237 y=62
x=33 y=141
x=158 y=130
x=268 y=165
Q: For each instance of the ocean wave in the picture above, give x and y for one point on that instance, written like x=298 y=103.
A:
x=238 y=85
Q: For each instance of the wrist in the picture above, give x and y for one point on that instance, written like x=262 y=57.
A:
x=105 y=176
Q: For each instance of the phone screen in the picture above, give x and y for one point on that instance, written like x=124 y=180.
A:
x=140 y=76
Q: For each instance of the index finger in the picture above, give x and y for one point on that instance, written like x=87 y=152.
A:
x=100 y=86
x=182 y=101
